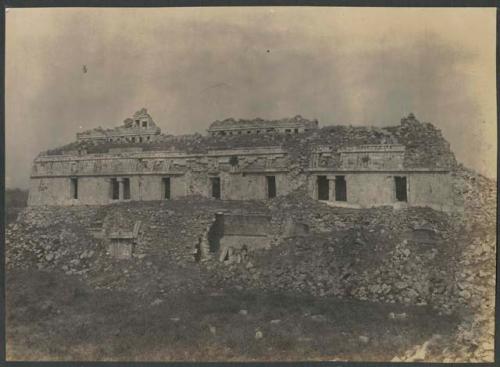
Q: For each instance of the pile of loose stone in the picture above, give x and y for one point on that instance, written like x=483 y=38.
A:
x=367 y=254
x=52 y=238
x=64 y=239
x=475 y=277
x=378 y=255
x=415 y=135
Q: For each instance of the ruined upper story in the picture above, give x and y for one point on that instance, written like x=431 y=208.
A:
x=411 y=145
x=294 y=125
x=137 y=129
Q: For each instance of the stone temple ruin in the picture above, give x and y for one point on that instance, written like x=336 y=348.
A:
x=240 y=160
x=379 y=214
x=405 y=165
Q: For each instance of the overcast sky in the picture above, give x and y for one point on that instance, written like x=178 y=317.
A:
x=190 y=66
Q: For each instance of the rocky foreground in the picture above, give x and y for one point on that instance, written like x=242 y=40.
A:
x=442 y=264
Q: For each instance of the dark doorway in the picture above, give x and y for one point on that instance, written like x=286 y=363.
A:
x=400 y=188
x=323 y=188
x=74 y=188
x=215 y=233
x=215 y=187
x=115 y=189
x=197 y=251
x=166 y=188
x=271 y=187
x=126 y=189
x=340 y=188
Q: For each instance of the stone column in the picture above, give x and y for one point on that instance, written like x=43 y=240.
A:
x=331 y=187
x=120 y=189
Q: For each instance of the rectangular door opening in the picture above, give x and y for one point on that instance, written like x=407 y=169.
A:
x=115 y=189
x=340 y=188
x=271 y=187
x=126 y=189
x=323 y=188
x=401 y=194
x=215 y=181
x=74 y=188
x=215 y=233
x=166 y=188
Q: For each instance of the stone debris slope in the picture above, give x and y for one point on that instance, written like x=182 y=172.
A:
x=373 y=254
x=414 y=256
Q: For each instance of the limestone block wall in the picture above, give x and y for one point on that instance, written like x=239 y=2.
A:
x=189 y=174
x=377 y=157
x=286 y=183
x=253 y=186
x=150 y=187
x=369 y=172
x=364 y=189
x=363 y=157
x=96 y=190
x=49 y=191
x=91 y=191
x=192 y=183
x=244 y=186
x=368 y=189
x=431 y=189
x=147 y=187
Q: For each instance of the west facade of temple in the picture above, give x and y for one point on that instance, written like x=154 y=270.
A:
x=405 y=165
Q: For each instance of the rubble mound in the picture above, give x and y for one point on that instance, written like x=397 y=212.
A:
x=376 y=254
x=413 y=256
x=70 y=240
x=425 y=144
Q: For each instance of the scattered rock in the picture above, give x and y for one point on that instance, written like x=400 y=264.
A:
x=49 y=256
x=364 y=339
x=398 y=316
x=318 y=317
x=156 y=302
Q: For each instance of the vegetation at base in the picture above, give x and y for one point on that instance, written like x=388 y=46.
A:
x=68 y=320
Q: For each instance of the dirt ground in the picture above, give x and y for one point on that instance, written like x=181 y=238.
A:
x=53 y=316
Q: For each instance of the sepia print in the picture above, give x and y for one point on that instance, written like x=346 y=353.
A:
x=250 y=184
